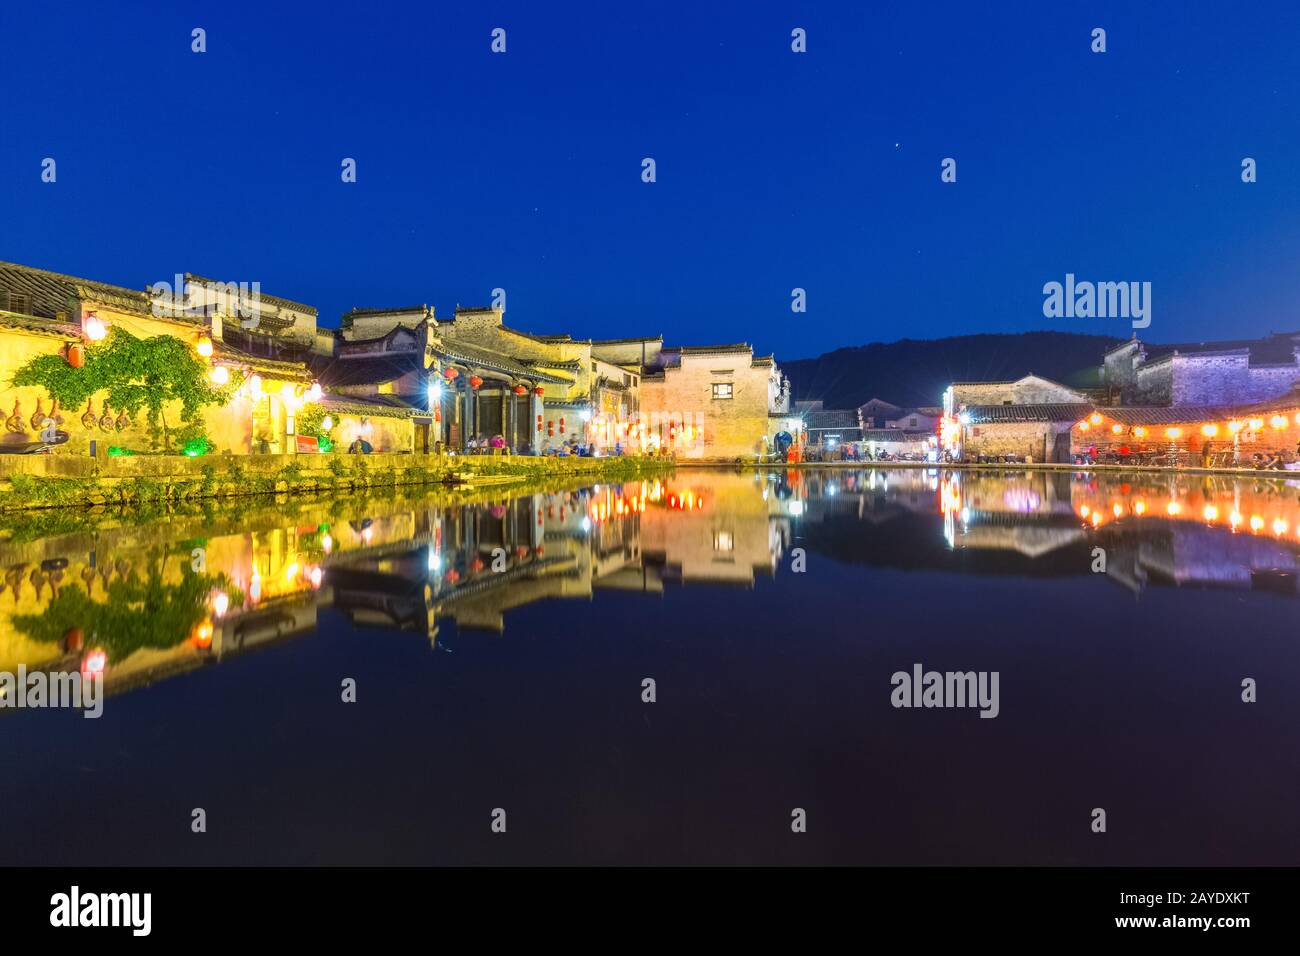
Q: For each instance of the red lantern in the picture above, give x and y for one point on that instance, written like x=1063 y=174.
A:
x=550 y=428
x=538 y=391
x=475 y=382
x=73 y=639
x=539 y=422
x=561 y=424
x=519 y=390
x=450 y=374
x=75 y=354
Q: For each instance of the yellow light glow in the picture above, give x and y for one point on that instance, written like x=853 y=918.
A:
x=95 y=328
x=1084 y=511
x=1279 y=526
x=255 y=385
x=1174 y=508
x=1117 y=509
x=1209 y=431
x=1095 y=418
x=1139 y=507
x=1173 y=432
x=1278 y=421
x=1139 y=432
x=1096 y=518
x=1235 y=519
x=1256 y=522
x=327 y=423
x=1256 y=424
x=204 y=346
x=1235 y=426
x=1211 y=513
x=1083 y=426
x=1116 y=429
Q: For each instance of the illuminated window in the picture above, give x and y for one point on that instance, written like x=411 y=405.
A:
x=722 y=390
x=723 y=541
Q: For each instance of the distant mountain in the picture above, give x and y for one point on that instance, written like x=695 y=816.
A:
x=913 y=372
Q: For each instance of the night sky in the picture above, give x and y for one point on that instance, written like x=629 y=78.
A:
x=775 y=170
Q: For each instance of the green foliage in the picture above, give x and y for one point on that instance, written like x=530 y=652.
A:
x=140 y=611
x=137 y=375
x=311 y=421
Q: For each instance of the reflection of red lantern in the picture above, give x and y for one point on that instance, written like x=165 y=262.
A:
x=75 y=355
x=539 y=549
x=550 y=428
x=519 y=390
x=539 y=422
x=561 y=424
x=475 y=382
x=453 y=575
x=521 y=552
x=538 y=391
x=450 y=374
x=73 y=639
x=476 y=564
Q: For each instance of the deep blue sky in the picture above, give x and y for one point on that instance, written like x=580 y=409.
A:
x=775 y=170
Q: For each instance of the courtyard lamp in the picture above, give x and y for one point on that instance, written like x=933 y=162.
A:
x=94 y=327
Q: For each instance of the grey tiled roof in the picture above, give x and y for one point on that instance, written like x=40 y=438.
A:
x=1001 y=414
x=52 y=292
x=894 y=434
x=262 y=296
x=370 y=369
x=831 y=418
x=395 y=406
x=1278 y=349
x=475 y=355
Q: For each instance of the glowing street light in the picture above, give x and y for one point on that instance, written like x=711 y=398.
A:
x=94 y=327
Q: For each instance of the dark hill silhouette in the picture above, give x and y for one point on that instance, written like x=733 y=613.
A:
x=913 y=372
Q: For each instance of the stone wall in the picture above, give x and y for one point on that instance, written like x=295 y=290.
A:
x=1034 y=440
x=1195 y=378
x=1119 y=369
x=731 y=427
x=1153 y=384
x=36 y=481
x=1228 y=380
x=230 y=427
x=1030 y=390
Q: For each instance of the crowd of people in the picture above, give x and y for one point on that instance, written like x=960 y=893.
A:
x=1227 y=456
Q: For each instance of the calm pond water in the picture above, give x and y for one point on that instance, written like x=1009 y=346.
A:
x=770 y=609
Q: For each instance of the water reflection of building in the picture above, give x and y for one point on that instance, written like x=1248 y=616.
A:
x=141 y=603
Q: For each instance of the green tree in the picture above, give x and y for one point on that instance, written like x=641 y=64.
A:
x=137 y=374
